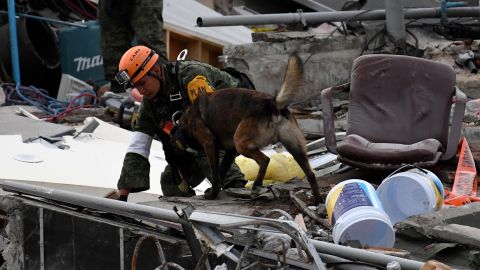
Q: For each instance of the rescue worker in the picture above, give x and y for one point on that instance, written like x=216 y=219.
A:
x=166 y=89
x=121 y=22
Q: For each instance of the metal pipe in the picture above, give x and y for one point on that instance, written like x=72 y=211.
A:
x=338 y=16
x=13 y=41
x=395 y=20
x=103 y=204
x=205 y=217
x=47 y=19
x=355 y=254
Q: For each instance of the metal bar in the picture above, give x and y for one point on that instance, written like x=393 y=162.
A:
x=122 y=248
x=103 y=204
x=395 y=20
x=42 y=239
x=208 y=218
x=12 y=25
x=356 y=254
x=338 y=16
x=194 y=244
x=40 y=18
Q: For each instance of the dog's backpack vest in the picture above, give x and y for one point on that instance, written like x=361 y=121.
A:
x=173 y=68
x=244 y=81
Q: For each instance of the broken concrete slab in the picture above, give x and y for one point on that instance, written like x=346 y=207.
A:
x=426 y=40
x=457 y=233
x=225 y=204
x=421 y=225
x=87 y=160
x=11 y=124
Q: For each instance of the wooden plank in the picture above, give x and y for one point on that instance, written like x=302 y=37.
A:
x=194 y=48
x=167 y=43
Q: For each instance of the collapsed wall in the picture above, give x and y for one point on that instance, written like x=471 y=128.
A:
x=327 y=60
x=46 y=236
x=328 y=56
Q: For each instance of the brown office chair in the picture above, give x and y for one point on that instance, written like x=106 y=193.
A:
x=399 y=113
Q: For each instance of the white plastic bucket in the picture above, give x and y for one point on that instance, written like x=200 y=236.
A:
x=356 y=213
x=410 y=193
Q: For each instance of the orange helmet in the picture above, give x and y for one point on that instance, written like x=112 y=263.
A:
x=134 y=64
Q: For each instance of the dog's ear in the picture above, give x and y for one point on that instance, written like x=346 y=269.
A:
x=292 y=82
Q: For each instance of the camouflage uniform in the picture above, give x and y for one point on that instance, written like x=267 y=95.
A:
x=123 y=20
x=154 y=115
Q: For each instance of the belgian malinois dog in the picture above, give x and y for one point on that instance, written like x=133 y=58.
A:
x=243 y=121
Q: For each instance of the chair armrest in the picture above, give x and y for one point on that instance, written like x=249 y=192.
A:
x=460 y=100
x=329 y=117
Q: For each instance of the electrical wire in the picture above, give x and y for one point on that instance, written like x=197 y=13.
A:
x=367 y=44
x=78 y=10
x=91 y=4
x=55 y=109
x=64 y=11
x=346 y=21
x=84 y=9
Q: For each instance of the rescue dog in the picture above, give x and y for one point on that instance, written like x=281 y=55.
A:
x=243 y=121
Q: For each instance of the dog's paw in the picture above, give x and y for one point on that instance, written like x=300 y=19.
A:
x=211 y=194
x=255 y=191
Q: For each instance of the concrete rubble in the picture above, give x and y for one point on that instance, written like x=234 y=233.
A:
x=278 y=229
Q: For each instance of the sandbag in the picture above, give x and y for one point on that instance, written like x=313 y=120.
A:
x=282 y=168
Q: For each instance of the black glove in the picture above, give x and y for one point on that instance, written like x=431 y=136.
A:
x=183 y=163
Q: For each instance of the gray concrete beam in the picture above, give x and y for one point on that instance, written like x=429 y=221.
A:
x=456 y=233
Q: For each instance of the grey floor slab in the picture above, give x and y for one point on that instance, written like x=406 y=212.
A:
x=11 y=124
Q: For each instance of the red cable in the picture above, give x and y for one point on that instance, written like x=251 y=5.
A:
x=91 y=4
x=78 y=10
x=64 y=113
x=79 y=96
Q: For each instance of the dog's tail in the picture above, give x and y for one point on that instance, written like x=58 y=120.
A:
x=292 y=82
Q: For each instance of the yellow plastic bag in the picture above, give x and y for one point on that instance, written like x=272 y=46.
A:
x=281 y=169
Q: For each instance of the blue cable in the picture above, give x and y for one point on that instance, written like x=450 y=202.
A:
x=39 y=98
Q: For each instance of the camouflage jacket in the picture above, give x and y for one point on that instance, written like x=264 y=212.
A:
x=194 y=78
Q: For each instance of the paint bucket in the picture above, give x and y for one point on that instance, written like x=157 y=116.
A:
x=414 y=192
x=356 y=213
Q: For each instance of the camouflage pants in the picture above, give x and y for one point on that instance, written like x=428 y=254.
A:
x=234 y=177
x=123 y=20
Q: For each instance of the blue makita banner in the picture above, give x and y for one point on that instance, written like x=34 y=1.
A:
x=80 y=51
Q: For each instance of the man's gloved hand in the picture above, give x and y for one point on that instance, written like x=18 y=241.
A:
x=182 y=143
x=182 y=162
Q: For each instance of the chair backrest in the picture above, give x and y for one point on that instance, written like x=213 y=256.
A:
x=400 y=99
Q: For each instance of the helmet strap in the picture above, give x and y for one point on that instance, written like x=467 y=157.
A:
x=160 y=77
